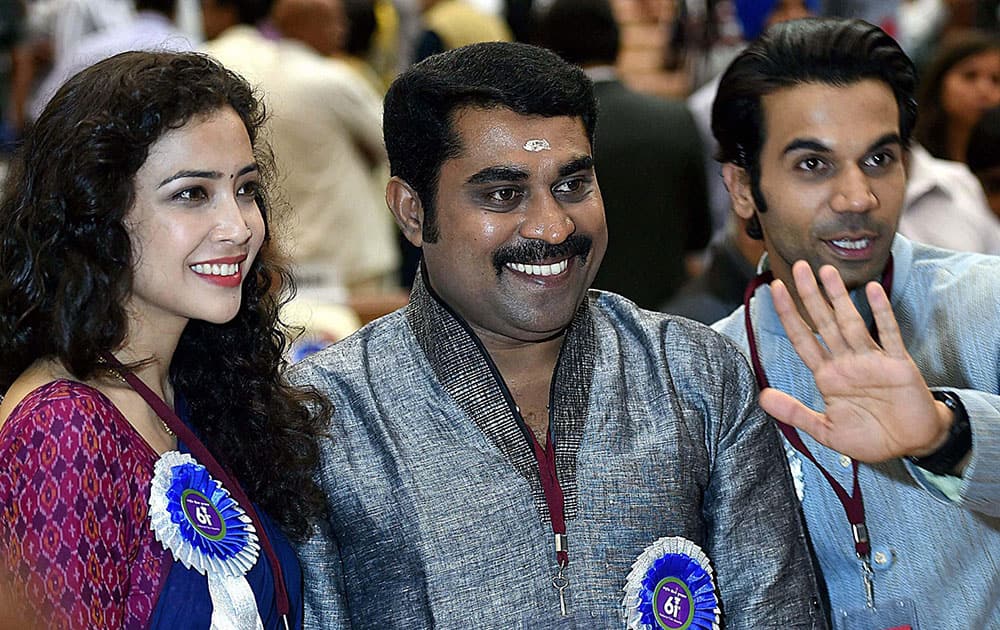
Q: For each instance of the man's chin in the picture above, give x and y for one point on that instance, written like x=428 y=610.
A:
x=858 y=277
x=541 y=321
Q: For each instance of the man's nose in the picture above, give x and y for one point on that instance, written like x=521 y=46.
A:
x=853 y=192
x=547 y=220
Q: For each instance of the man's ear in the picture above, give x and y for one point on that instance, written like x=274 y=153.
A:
x=407 y=209
x=738 y=184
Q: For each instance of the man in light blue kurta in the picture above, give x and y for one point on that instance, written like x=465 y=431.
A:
x=813 y=122
x=443 y=510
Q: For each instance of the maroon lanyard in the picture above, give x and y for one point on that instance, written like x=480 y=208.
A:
x=546 y=458
x=202 y=454
x=853 y=504
x=553 y=495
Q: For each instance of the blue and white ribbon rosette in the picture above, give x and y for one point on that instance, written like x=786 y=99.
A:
x=205 y=529
x=671 y=587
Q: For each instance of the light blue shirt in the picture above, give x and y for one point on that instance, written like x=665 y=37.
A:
x=941 y=555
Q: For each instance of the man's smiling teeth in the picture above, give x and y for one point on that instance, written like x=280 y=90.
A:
x=216 y=270
x=848 y=243
x=540 y=270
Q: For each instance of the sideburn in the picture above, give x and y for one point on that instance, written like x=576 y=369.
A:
x=754 y=229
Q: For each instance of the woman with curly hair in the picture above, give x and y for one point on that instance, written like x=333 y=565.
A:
x=960 y=83
x=146 y=433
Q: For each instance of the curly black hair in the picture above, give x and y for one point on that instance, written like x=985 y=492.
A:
x=66 y=270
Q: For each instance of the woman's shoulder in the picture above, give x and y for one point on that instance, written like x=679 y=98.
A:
x=72 y=416
x=60 y=398
x=74 y=488
x=66 y=439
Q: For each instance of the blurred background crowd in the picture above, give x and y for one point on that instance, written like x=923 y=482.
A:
x=323 y=65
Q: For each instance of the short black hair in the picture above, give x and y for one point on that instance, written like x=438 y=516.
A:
x=421 y=104
x=829 y=51
x=583 y=32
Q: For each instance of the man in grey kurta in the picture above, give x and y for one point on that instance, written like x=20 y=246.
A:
x=442 y=512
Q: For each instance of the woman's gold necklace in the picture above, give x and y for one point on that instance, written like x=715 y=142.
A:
x=114 y=373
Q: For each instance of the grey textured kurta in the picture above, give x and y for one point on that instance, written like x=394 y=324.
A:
x=437 y=514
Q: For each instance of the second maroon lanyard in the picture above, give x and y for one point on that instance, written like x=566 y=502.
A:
x=853 y=503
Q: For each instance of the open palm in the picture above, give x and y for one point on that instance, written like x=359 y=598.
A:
x=878 y=405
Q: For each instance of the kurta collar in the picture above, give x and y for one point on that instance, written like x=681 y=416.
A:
x=467 y=373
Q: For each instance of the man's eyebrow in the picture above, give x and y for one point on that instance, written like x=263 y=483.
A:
x=805 y=144
x=249 y=168
x=811 y=144
x=889 y=138
x=492 y=174
x=582 y=163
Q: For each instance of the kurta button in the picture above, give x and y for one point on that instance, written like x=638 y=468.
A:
x=882 y=558
x=845 y=461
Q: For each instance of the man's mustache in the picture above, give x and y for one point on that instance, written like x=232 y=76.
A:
x=853 y=223
x=534 y=252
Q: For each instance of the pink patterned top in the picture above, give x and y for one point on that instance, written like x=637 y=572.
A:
x=74 y=533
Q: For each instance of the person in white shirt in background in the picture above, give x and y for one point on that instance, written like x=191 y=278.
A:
x=151 y=27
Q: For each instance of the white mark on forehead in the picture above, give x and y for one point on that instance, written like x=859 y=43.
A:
x=540 y=144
